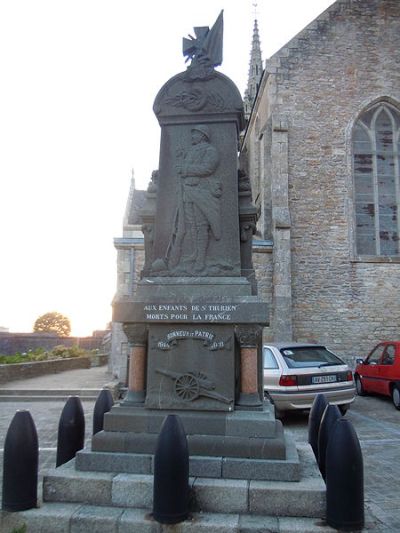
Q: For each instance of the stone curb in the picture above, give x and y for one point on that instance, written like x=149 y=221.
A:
x=73 y=518
x=287 y=498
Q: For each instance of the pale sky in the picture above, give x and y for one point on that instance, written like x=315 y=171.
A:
x=78 y=81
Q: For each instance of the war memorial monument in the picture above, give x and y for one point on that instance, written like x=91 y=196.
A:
x=195 y=322
x=194 y=327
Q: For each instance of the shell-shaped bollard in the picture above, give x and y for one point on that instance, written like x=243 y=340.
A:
x=103 y=404
x=171 y=473
x=71 y=430
x=20 y=464
x=314 y=421
x=344 y=478
x=329 y=417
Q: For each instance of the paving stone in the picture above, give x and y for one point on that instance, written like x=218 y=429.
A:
x=54 y=518
x=206 y=523
x=220 y=495
x=272 y=470
x=200 y=466
x=131 y=490
x=95 y=519
x=306 y=498
x=137 y=520
x=128 y=463
x=66 y=485
x=10 y=521
x=258 y=524
x=303 y=525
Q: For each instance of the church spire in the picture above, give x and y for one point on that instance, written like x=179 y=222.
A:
x=255 y=71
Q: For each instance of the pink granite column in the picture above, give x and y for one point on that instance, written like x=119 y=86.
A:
x=249 y=338
x=248 y=363
x=137 y=337
x=137 y=367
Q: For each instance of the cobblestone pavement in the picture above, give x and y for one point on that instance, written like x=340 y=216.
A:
x=377 y=424
x=46 y=416
x=375 y=420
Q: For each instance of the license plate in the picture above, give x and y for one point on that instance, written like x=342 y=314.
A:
x=324 y=379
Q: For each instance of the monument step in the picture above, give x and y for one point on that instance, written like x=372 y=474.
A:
x=72 y=517
x=304 y=498
x=238 y=434
x=287 y=469
x=251 y=423
x=212 y=445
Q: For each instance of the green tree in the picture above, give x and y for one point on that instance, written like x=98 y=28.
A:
x=53 y=323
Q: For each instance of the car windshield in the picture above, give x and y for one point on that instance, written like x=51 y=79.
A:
x=308 y=356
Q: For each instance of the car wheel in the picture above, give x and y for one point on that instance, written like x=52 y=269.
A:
x=359 y=386
x=344 y=408
x=396 y=397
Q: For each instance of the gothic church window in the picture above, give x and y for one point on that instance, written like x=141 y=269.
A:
x=376 y=148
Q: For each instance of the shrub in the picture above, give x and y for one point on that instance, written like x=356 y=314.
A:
x=40 y=354
x=63 y=352
x=10 y=359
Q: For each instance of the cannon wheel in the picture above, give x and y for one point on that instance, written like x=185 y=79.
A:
x=187 y=387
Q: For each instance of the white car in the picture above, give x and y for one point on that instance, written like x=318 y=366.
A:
x=295 y=373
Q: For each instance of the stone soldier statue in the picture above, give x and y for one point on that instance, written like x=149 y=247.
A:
x=198 y=211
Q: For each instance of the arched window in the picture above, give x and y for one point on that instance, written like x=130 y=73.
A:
x=376 y=148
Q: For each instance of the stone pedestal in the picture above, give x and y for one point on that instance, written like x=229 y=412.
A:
x=203 y=339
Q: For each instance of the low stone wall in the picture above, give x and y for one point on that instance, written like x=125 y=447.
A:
x=13 y=372
x=11 y=343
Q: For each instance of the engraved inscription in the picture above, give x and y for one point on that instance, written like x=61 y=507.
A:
x=209 y=340
x=192 y=313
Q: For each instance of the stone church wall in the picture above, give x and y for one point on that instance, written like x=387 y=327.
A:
x=298 y=148
x=262 y=261
x=318 y=84
x=130 y=260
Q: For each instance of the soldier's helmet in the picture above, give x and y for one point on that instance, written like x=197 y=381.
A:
x=202 y=128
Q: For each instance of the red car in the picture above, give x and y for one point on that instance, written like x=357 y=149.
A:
x=380 y=372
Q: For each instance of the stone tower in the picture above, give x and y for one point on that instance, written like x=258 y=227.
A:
x=255 y=72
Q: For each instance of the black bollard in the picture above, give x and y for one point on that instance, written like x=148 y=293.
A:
x=171 y=473
x=103 y=404
x=344 y=478
x=314 y=421
x=71 y=430
x=20 y=464
x=329 y=417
